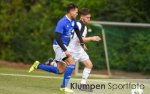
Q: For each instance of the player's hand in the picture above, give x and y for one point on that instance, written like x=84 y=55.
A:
x=85 y=48
x=68 y=54
x=96 y=38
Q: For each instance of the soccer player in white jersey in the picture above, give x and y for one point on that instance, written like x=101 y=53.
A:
x=77 y=51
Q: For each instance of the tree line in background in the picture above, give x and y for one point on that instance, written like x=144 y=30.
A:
x=27 y=26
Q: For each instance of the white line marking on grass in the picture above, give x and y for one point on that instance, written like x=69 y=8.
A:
x=39 y=76
x=53 y=77
x=33 y=76
x=36 y=76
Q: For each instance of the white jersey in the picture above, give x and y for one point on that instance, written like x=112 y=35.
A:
x=74 y=44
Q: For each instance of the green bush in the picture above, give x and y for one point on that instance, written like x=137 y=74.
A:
x=27 y=31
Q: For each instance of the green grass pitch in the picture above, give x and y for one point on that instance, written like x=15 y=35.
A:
x=19 y=81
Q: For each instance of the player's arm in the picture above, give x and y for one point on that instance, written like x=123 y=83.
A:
x=59 y=30
x=93 y=38
x=59 y=41
x=78 y=33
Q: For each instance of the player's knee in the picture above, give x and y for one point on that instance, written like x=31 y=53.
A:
x=90 y=65
x=70 y=60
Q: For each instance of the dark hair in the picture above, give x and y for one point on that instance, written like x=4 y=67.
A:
x=71 y=6
x=84 y=11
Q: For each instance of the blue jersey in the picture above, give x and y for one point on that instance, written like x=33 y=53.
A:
x=65 y=27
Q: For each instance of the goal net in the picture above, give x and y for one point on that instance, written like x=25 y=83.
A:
x=123 y=51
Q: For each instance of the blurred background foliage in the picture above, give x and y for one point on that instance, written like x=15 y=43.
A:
x=27 y=30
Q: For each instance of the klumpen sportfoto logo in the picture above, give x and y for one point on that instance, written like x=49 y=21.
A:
x=110 y=86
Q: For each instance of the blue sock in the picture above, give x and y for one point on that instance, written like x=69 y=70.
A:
x=67 y=75
x=48 y=68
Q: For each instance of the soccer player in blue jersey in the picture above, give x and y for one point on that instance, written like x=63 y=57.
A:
x=63 y=34
x=77 y=51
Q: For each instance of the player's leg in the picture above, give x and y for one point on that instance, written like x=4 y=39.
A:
x=59 y=54
x=61 y=65
x=54 y=69
x=88 y=66
x=84 y=58
x=44 y=67
x=68 y=71
x=50 y=66
x=49 y=61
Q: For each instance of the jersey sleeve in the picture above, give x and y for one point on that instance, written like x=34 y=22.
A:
x=59 y=27
x=79 y=25
x=84 y=32
x=85 y=29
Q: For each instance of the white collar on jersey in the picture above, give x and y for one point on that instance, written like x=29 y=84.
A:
x=68 y=18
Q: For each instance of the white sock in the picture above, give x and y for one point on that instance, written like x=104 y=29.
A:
x=85 y=75
x=54 y=63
